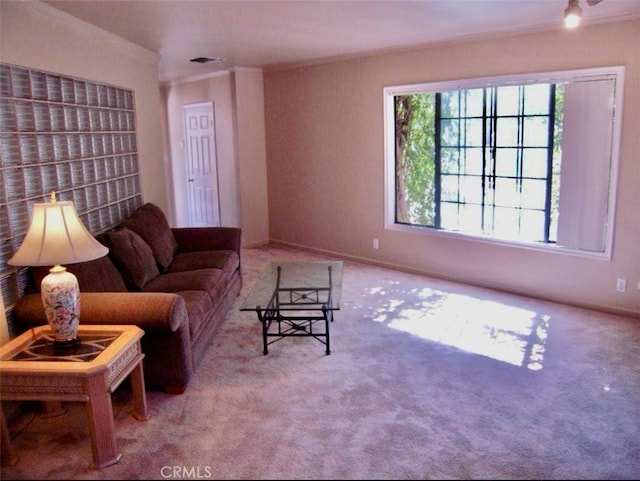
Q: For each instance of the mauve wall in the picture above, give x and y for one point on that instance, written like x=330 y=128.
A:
x=252 y=155
x=38 y=36
x=325 y=158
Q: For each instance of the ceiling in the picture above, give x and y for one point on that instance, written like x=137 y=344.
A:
x=275 y=34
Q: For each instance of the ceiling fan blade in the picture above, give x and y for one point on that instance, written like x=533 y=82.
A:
x=593 y=2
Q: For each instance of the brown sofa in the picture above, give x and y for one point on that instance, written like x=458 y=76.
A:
x=177 y=284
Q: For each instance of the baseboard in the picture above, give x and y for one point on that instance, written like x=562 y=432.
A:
x=256 y=244
x=619 y=311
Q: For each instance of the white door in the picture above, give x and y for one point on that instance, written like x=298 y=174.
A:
x=202 y=172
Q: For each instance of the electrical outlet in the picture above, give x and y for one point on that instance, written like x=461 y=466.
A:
x=376 y=244
x=621 y=285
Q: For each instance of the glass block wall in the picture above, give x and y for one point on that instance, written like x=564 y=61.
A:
x=71 y=136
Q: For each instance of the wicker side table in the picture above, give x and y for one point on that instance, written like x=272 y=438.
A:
x=31 y=369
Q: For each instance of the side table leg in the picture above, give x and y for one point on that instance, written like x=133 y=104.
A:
x=52 y=409
x=100 y=413
x=140 y=411
x=9 y=457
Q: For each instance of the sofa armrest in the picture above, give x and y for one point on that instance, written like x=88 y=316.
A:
x=192 y=239
x=147 y=310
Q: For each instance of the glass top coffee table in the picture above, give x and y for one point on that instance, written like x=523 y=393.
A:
x=296 y=299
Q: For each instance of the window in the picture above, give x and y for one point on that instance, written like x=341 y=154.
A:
x=521 y=159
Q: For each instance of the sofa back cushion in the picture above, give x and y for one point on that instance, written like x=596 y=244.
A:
x=99 y=275
x=133 y=257
x=150 y=223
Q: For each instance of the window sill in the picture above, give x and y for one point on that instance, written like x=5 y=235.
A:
x=547 y=248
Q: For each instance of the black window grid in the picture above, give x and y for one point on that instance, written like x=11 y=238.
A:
x=488 y=203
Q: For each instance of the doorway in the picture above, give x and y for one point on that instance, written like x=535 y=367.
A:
x=202 y=166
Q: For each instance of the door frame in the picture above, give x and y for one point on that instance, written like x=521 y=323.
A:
x=214 y=154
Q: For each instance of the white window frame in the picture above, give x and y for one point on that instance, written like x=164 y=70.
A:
x=390 y=92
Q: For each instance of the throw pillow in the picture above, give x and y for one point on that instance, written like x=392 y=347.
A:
x=133 y=255
x=150 y=223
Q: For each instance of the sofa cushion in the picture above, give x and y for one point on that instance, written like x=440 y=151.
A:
x=150 y=223
x=133 y=257
x=227 y=260
x=197 y=280
x=99 y=275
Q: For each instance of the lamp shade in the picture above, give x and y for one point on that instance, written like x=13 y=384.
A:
x=57 y=236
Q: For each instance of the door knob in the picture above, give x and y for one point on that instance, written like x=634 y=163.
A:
x=191 y=179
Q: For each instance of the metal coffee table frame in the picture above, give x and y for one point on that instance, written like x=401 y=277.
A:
x=298 y=310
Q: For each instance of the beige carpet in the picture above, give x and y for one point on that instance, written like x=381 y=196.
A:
x=427 y=379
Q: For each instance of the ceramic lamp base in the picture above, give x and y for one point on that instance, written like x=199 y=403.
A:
x=61 y=301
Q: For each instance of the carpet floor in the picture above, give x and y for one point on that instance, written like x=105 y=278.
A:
x=427 y=379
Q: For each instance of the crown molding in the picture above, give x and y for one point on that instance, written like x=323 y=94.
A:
x=246 y=69
x=459 y=40
x=196 y=78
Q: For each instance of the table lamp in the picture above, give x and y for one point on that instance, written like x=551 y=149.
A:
x=57 y=236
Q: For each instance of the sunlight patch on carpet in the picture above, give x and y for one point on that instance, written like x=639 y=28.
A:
x=489 y=328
